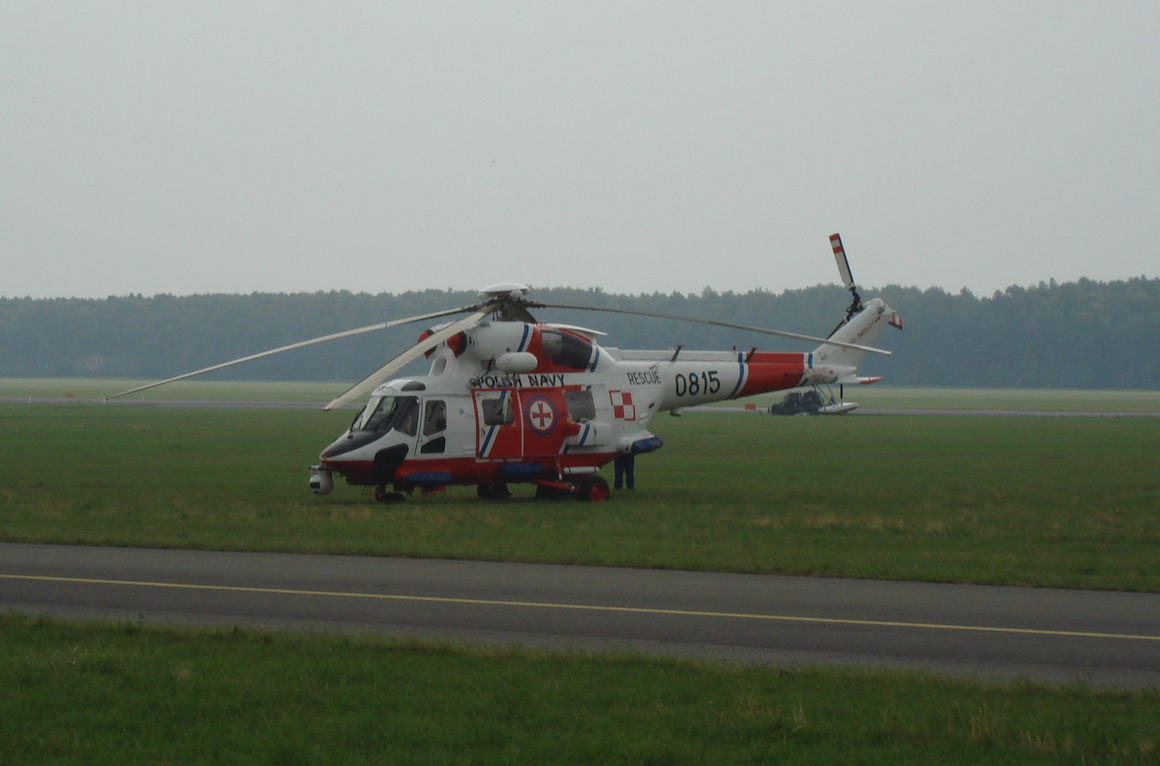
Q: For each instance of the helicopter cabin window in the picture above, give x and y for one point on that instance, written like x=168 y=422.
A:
x=498 y=411
x=408 y=421
x=384 y=413
x=580 y=405
x=435 y=417
x=566 y=350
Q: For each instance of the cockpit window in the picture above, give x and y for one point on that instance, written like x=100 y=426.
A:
x=384 y=413
x=407 y=421
x=567 y=350
x=435 y=417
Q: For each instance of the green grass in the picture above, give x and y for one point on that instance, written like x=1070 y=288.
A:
x=198 y=389
x=1065 y=502
x=111 y=694
x=869 y=397
x=889 y=398
x=1007 y=399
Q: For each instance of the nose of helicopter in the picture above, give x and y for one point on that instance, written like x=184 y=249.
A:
x=348 y=442
x=353 y=456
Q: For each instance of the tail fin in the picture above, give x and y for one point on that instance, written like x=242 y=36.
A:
x=863 y=324
x=863 y=328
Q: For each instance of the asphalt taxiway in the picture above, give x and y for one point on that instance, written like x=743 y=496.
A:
x=1061 y=636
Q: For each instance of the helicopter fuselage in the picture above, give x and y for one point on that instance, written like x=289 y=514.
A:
x=511 y=401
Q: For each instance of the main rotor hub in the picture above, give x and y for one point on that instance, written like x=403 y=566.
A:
x=504 y=291
x=507 y=302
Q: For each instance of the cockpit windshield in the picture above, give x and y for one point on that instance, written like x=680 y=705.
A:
x=384 y=413
x=567 y=350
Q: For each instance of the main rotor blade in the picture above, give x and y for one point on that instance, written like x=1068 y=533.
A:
x=300 y=344
x=396 y=364
x=781 y=333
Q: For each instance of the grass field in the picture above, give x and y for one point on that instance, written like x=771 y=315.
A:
x=1066 y=502
x=885 y=397
x=243 y=391
x=110 y=694
x=869 y=397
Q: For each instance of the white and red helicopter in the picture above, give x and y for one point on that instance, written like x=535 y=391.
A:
x=509 y=399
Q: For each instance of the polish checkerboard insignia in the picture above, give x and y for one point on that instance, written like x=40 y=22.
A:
x=622 y=406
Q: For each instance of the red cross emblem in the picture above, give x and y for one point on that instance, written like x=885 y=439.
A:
x=541 y=415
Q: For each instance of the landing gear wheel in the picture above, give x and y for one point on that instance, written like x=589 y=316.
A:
x=493 y=491
x=594 y=489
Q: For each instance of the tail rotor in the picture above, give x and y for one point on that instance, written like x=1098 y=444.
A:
x=847 y=280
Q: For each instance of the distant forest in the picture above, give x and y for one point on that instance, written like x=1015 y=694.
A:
x=1077 y=335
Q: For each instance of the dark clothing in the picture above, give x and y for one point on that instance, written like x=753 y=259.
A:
x=624 y=470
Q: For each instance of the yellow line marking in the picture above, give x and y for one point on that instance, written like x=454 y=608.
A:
x=582 y=607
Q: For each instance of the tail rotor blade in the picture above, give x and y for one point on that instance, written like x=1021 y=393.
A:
x=396 y=364
x=843 y=263
x=292 y=346
x=847 y=279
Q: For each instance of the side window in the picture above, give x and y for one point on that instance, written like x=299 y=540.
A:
x=435 y=417
x=498 y=411
x=580 y=405
x=408 y=417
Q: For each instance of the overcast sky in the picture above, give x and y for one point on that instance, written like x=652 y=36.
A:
x=240 y=146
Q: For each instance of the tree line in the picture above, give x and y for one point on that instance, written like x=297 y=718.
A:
x=1078 y=335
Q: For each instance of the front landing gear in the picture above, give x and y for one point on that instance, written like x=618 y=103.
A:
x=389 y=498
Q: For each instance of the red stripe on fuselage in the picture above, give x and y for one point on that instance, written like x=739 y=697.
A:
x=773 y=371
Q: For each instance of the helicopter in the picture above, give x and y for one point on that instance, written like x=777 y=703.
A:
x=509 y=399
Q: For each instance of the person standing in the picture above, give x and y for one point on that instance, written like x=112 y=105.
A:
x=624 y=465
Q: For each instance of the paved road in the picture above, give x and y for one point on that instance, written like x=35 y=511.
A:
x=1101 y=638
